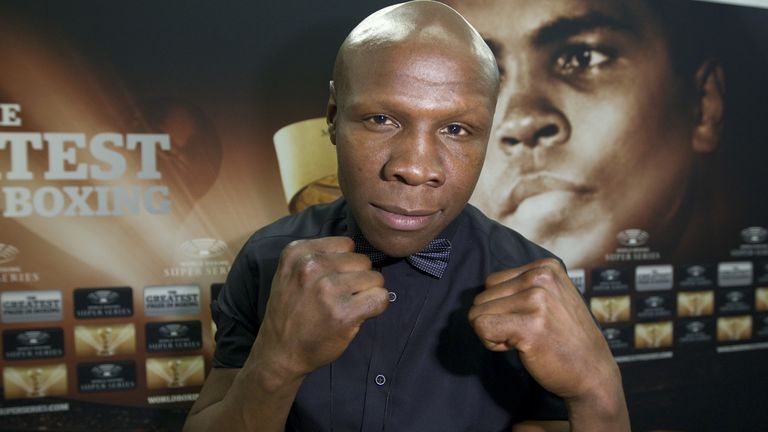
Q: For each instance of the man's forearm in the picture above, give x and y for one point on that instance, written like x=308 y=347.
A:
x=257 y=398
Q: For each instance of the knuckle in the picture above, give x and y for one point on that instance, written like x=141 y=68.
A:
x=537 y=322
x=543 y=276
x=550 y=263
x=377 y=303
x=377 y=279
x=325 y=286
x=291 y=249
x=485 y=327
x=339 y=317
x=363 y=262
x=538 y=297
x=306 y=267
x=347 y=243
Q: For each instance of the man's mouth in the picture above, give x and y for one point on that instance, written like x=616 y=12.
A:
x=402 y=219
x=539 y=183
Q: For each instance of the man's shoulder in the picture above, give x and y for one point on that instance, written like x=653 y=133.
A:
x=316 y=221
x=507 y=246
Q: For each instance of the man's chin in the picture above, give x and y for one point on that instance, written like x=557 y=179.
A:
x=400 y=245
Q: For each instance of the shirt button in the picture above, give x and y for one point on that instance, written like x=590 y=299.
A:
x=380 y=380
x=392 y=296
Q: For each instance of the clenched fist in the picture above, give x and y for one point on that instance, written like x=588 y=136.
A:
x=536 y=310
x=321 y=294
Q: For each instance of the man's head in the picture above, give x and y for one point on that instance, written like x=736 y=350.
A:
x=410 y=111
x=597 y=127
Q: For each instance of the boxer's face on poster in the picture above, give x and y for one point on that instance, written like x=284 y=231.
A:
x=592 y=132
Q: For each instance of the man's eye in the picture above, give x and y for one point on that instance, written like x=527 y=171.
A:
x=581 y=59
x=381 y=120
x=455 y=130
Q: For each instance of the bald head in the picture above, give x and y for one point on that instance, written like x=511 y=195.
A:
x=411 y=26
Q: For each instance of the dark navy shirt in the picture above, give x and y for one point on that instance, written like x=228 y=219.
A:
x=417 y=367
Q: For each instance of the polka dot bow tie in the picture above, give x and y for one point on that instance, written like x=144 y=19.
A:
x=431 y=260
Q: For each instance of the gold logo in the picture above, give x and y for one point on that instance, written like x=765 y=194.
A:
x=653 y=335
x=695 y=303
x=35 y=381
x=610 y=309
x=761 y=299
x=173 y=372
x=736 y=328
x=105 y=340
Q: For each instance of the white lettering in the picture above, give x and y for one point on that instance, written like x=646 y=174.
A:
x=18 y=148
x=56 y=199
x=9 y=114
x=59 y=157
x=125 y=201
x=148 y=156
x=163 y=205
x=78 y=206
x=49 y=201
x=63 y=154
x=17 y=202
x=104 y=154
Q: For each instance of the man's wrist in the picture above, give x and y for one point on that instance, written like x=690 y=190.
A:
x=602 y=409
x=265 y=382
x=270 y=369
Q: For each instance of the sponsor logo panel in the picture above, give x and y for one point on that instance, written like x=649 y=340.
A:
x=174 y=336
x=105 y=340
x=610 y=280
x=172 y=300
x=30 y=306
x=694 y=331
x=35 y=381
x=734 y=328
x=30 y=344
x=654 y=278
x=731 y=274
x=106 y=376
x=175 y=372
x=695 y=303
x=654 y=335
x=103 y=302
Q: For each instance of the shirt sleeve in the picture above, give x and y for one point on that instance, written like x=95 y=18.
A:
x=235 y=313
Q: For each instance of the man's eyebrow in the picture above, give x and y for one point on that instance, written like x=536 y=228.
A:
x=563 y=28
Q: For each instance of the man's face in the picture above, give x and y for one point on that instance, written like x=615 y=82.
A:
x=592 y=133
x=411 y=128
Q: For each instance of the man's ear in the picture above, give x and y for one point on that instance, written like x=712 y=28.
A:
x=330 y=112
x=710 y=84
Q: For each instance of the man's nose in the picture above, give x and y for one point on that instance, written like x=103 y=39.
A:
x=415 y=159
x=529 y=117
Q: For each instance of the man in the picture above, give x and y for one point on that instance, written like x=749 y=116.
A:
x=605 y=120
x=379 y=332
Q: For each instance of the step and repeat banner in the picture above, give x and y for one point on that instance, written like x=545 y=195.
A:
x=141 y=144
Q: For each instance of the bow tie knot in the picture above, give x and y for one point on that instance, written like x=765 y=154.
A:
x=433 y=259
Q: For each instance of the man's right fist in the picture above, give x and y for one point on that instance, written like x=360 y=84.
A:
x=321 y=294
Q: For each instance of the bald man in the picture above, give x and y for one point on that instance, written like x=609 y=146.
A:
x=401 y=307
